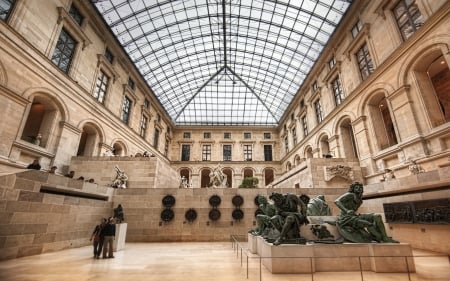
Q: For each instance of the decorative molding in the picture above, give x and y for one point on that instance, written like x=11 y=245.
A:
x=66 y=19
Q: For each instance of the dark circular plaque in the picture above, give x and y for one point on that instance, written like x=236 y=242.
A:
x=167 y=215
x=214 y=214
x=237 y=200
x=237 y=214
x=168 y=201
x=215 y=200
x=190 y=215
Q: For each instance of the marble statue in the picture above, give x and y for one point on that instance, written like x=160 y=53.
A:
x=217 y=178
x=359 y=228
x=121 y=179
x=318 y=207
x=184 y=182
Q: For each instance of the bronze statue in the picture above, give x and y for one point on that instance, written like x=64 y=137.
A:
x=318 y=207
x=288 y=217
x=263 y=220
x=118 y=214
x=359 y=228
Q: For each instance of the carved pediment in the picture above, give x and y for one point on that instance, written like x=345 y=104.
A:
x=338 y=171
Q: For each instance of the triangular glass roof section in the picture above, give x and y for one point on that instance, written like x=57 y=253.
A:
x=227 y=62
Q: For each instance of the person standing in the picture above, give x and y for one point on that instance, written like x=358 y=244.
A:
x=109 y=233
x=35 y=165
x=97 y=238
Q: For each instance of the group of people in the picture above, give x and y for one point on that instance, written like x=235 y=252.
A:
x=103 y=237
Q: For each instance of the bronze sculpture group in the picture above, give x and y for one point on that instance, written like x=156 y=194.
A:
x=279 y=222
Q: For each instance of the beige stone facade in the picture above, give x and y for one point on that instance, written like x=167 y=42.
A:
x=397 y=115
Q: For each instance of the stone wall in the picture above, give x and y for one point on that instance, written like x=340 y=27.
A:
x=321 y=173
x=143 y=209
x=424 y=186
x=34 y=222
x=141 y=171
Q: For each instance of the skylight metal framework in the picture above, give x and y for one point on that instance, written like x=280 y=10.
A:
x=223 y=62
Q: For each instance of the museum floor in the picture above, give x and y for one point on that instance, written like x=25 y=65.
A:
x=185 y=261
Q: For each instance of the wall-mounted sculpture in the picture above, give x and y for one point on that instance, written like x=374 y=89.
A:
x=168 y=214
x=214 y=201
x=342 y=171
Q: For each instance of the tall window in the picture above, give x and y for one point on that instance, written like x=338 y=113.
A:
x=166 y=148
x=365 y=63
x=408 y=17
x=185 y=152
x=294 y=136
x=319 y=113
x=146 y=103
x=126 y=108
x=101 y=86
x=305 y=126
x=64 y=51
x=156 y=139
x=109 y=56
x=206 y=152
x=143 y=126
x=356 y=28
x=267 y=152
x=248 y=152
x=337 y=91
x=227 y=152
x=132 y=85
x=5 y=8
x=76 y=15
x=332 y=62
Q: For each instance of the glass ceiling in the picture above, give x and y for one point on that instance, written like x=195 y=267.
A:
x=226 y=62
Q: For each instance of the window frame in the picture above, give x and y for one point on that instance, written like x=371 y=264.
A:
x=185 y=152
x=225 y=151
x=248 y=151
x=206 y=152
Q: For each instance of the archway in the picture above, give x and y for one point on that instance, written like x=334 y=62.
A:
x=229 y=173
x=347 y=138
x=383 y=127
x=41 y=121
x=269 y=176
x=204 y=181
x=88 y=141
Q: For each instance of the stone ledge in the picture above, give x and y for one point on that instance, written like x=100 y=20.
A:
x=376 y=257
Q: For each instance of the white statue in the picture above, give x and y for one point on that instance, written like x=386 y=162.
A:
x=184 y=182
x=121 y=179
x=217 y=178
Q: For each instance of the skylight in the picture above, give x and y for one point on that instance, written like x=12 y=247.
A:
x=223 y=62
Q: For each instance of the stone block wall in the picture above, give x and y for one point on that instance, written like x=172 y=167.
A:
x=424 y=186
x=33 y=222
x=143 y=212
x=313 y=173
x=142 y=172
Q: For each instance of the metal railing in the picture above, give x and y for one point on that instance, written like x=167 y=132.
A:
x=239 y=245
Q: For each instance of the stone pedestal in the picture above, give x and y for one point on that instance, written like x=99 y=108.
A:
x=121 y=234
x=376 y=257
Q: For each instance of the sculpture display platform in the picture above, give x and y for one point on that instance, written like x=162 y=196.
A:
x=291 y=258
x=121 y=234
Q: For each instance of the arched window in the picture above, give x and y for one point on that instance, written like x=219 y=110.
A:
x=288 y=166
x=248 y=173
x=309 y=153
x=119 y=149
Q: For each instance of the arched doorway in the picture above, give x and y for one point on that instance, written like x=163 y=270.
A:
x=204 y=182
x=383 y=127
x=229 y=173
x=88 y=141
x=348 y=139
x=41 y=122
x=269 y=176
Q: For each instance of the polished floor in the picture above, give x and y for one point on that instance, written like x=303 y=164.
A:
x=187 y=261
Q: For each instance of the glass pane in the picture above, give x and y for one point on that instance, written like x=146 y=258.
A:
x=210 y=72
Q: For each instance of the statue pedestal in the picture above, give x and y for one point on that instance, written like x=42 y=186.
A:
x=121 y=234
x=376 y=257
